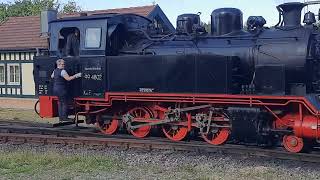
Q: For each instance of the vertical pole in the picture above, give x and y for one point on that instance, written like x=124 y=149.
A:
x=189 y=118
x=300 y=112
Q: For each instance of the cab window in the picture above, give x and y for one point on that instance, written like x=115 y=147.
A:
x=93 y=38
x=69 y=41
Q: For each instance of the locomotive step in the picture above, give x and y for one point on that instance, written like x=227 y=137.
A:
x=60 y=124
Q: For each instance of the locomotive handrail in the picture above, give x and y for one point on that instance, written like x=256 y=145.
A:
x=153 y=39
x=35 y=108
x=218 y=99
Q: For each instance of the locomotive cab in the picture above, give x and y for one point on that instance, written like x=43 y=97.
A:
x=99 y=36
x=92 y=36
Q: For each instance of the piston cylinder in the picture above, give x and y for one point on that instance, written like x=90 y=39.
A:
x=307 y=128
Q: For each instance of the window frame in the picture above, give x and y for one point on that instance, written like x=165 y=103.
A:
x=8 y=74
x=4 y=74
x=86 y=35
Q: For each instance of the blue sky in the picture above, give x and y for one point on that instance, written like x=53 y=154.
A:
x=172 y=8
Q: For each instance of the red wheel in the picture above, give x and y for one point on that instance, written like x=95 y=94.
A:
x=293 y=143
x=140 y=112
x=217 y=137
x=107 y=126
x=175 y=132
x=219 y=129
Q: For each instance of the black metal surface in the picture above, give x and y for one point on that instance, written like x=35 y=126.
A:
x=225 y=21
x=176 y=73
x=250 y=126
x=274 y=84
x=244 y=122
x=93 y=77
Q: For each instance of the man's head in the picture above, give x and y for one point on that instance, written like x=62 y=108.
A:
x=60 y=63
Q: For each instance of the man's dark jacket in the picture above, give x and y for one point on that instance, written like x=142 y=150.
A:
x=73 y=44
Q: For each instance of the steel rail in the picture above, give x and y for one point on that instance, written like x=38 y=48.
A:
x=153 y=144
x=19 y=133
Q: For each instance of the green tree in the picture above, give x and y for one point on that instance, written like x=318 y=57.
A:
x=29 y=7
x=71 y=7
x=34 y=7
x=3 y=12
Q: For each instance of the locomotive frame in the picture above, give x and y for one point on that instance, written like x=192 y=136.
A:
x=188 y=83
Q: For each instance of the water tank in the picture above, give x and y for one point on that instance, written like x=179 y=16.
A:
x=225 y=21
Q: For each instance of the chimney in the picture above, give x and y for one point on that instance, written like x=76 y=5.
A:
x=46 y=17
x=291 y=13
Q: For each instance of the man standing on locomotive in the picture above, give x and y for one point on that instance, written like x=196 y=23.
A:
x=61 y=77
x=73 y=43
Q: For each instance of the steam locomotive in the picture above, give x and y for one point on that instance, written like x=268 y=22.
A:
x=257 y=85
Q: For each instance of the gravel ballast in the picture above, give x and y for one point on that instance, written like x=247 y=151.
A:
x=115 y=163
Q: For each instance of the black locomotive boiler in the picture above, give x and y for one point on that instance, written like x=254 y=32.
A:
x=257 y=85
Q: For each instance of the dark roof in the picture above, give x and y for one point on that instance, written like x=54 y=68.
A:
x=24 y=32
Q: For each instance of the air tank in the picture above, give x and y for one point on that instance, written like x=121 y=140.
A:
x=225 y=21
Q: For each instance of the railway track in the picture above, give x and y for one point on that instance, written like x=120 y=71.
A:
x=20 y=133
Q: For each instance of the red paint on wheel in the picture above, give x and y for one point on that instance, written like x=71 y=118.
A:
x=140 y=112
x=293 y=143
x=175 y=132
x=217 y=138
x=110 y=127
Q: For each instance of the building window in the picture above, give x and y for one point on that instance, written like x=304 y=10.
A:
x=27 y=56
x=23 y=56
x=7 y=56
x=93 y=38
x=13 y=74
x=2 y=74
x=12 y=56
x=32 y=56
x=17 y=56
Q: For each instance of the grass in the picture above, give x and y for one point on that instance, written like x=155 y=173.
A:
x=23 y=115
x=26 y=115
x=24 y=164
x=21 y=164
